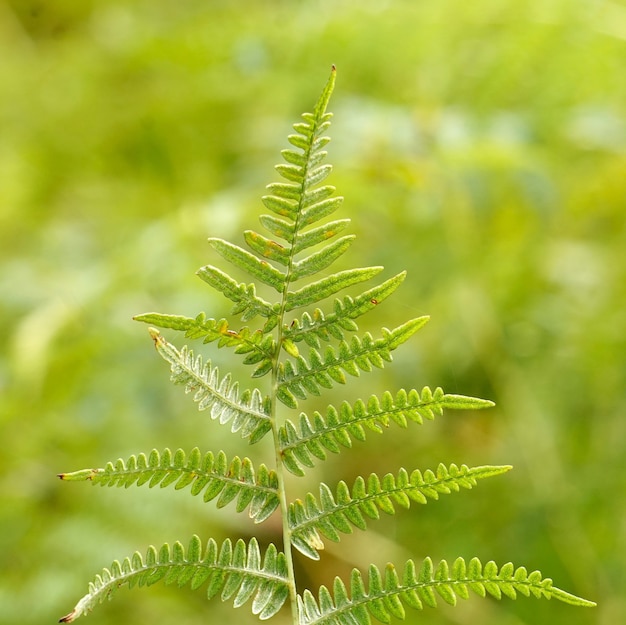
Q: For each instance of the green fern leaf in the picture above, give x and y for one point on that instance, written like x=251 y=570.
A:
x=321 y=259
x=319 y=234
x=361 y=354
x=388 y=594
x=280 y=228
x=210 y=475
x=248 y=414
x=306 y=246
x=315 y=436
x=312 y=328
x=321 y=289
x=236 y=572
x=257 y=346
x=302 y=201
x=247 y=303
x=249 y=263
x=289 y=200
x=313 y=212
x=339 y=513
x=267 y=248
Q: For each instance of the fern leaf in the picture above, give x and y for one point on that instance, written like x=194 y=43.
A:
x=387 y=594
x=258 y=346
x=313 y=212
x=278 y=227
x=301 y=199
x=319 y=234
x=248 y=413
x=361 y=354
x=199 y=327
x=315 y=436
x=246 y=301
x=205 y=474
x=312 y=328
x=267 y=248
x=321 y=259
x=249 y=263
x=237 y=572
x=307 y=244
x=321 y=289
x=348 y=508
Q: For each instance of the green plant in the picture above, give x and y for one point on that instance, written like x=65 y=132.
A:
x=332 y=348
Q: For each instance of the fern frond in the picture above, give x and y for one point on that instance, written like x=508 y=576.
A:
x=321 y=259
x=266 y=248
x=280 y=228
x=260 y=269
x=314 y=437
x=237 y=572
x=248 y=414
x=361 y=354
x=315 y=292
x=198 y=327
x=291 y=200
x=210 y=475
x=387 y=595
x=336 y=513
x=319 y=234
x=257 y=346
x=246 y=302
x=301 y=202
x=312 y=328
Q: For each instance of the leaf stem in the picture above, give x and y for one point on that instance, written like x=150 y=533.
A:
x=320 y=109
x=282 y=491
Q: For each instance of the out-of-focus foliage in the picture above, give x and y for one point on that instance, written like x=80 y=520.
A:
x=481 y=143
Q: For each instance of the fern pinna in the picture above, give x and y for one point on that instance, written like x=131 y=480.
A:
x=304 y=350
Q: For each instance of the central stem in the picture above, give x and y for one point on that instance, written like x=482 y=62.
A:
x=284 y=509
x=280 y=467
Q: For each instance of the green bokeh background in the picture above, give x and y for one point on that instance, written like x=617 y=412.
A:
x=480 y=145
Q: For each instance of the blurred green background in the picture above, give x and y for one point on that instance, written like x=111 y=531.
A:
x=480 y=145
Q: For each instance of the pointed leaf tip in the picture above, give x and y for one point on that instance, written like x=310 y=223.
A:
x=78 y=476
x=320 y=107
x=571 y=599
x=68 y=618
x=462 y=402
